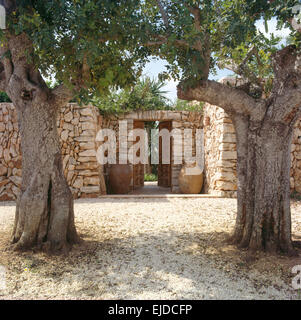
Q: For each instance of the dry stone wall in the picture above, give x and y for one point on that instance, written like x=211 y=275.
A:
x=10 y=153
x=221 y=155
x=295 y=179
x=220 y=152
x=194 y=122
x=77 y=127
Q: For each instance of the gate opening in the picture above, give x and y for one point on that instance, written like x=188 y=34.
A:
x=152 y=178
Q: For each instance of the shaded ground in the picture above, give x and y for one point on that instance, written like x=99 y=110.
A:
x=149 y=249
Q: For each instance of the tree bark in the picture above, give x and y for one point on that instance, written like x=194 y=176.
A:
x=263 y=212
x=44 y=214
x=264 y=130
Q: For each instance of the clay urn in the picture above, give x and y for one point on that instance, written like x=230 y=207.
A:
x=191 y=179
x=120 y=176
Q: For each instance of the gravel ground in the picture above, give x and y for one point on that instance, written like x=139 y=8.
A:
x=149 y=249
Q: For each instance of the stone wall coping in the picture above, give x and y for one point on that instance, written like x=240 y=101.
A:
x=153 y=115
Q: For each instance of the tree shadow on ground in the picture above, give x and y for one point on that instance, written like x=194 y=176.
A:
x=167 y=265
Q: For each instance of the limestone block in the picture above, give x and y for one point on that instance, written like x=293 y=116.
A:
x=13 y=151
x=88 y=126
x=17 y=172
x=93 y=189
x=227 y=147
x=10 y=127
x=3 y=170
x=229 y=155
x=89 y=133
x=88 y=165
x=68 y=126
x=228 y=137
x=225 y=176
x=86 y=159
x=87 y=146
x=4 y=182
x=68 y=117
x=78 y=183
x=94 y=181
x=70 y=175
x=88 y=173
x=6 y=196
x=86 y=112
x=89 y=119
x=297 y=155
x=225 y=163
x=75 y=121
x=65 y=161
x=228 y=128
x=16 y=180
x=226 y=186
x=6 y=155
x=88 y=153
x=64 y=135
x=15 y=190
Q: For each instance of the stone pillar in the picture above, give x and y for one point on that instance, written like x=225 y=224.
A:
x=220 y=153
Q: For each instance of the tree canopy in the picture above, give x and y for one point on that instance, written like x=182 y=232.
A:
x=196 y=37
x=87 y=45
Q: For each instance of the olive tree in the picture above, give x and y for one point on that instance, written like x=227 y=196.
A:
x=196 y=37
x=87 y=46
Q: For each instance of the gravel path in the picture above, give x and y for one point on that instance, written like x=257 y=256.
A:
x=149 y=249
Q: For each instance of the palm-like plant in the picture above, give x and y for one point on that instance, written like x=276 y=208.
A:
x=147 y=94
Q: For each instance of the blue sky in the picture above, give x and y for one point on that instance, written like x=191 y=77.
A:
x=153 y=68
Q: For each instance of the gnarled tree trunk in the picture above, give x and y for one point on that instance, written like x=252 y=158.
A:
x=263 y=213
x=44 y=214
x=264 y=133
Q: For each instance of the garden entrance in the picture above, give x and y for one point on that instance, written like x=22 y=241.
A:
x=152 y=178
x=161 y=177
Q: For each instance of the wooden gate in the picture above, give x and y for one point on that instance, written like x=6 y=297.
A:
x=164 y=170
x=138 y=169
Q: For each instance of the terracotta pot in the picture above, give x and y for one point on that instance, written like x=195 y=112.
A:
x=191 y=179
x=120 y=176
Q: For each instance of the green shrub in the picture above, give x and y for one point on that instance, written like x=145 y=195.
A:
x=150 y=177
x=4 y=97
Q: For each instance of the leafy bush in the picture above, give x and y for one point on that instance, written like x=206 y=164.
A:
x=147 y=94
x=182 y=105
x=150 y=177
x=4 y=97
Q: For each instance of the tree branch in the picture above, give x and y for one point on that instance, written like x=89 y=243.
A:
x=286 y=92
x=62 y=95
x=288 y=106
x=163 y=13
x=232 y=100
x=243 y=70
x=162 y=40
